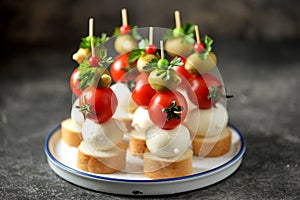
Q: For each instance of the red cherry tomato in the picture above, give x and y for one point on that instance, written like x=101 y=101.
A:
x=199 y=47
x=183 y=73
x=121 y=70
x=162 y=101
x=150 y=49
x=124 y=29
x=199 y=90
x=100 y=103
x=142 y=92
x=93 y=61
x=75 y=83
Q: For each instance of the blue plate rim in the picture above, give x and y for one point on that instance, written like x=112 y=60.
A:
x=99 y=177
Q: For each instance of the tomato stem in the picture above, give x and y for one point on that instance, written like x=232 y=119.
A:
x=173 y=111
x=85 y=110
x=215 y=94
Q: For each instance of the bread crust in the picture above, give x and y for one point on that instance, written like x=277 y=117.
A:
x=69 y=133
x=137 y=146
x=157 y=168
x=102 y=165
x=213 y=146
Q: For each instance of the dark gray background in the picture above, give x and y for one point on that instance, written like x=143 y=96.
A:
x=257 y=44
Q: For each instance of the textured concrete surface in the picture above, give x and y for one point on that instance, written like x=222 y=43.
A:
x=264 y=78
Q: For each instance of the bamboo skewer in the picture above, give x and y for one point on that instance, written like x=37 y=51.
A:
x=92 y=47
x=150 y=35
x=91 y=27
x=197 y=34
x=162 y=50
x=177 y=19
x=124 y=17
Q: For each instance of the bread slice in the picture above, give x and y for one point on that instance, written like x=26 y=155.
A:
x=137 y=143
x=156 y=167
x=101 y=162
x=70 y=133
x=213 y=146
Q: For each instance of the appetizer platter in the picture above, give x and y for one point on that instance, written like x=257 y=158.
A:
x=148 y=113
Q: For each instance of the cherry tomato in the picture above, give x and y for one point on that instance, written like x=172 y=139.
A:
x=160 y=107
x=199 y=90
x=98 y=104
x=183 y=73
x=142 y=92
x=93 y=61
x=75 y=83
x=150 y=49
x=199 y=47
x=124 y=29
x=121 y=70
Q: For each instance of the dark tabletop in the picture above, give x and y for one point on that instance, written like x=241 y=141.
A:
x=263 y=77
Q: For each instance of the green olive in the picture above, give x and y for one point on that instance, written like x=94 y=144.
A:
x=175 y=46
x=125 y=44
x=195 y=65
x=98 y=81
x=81 y=54
x=158 y=84
x=143 y=61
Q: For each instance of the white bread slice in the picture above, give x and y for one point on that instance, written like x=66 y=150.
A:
x=69 y=133
x=101 y=162
x=213 y=146
x=137 y=143
x=157 y=167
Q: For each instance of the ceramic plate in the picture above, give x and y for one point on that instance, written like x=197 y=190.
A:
x=131 y=181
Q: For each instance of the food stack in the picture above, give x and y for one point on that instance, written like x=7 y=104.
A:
x=165 y=100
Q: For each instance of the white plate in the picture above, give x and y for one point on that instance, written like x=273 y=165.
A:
x=206 y=171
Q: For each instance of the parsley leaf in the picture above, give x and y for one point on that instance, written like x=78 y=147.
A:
x=87 y=73
x=86 y=41
x=163 y=69
x=143 y=43
x=207 y=41
x=176 y=62
x=135 y=54
x=151 y=65
x=188 y=33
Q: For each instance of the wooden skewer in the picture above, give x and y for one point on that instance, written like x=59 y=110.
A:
x=162 y=50
x=91 y=26
x=177 y=19
x=197 y=34
x=92 y=47
x=124 y=17
x=151 y=35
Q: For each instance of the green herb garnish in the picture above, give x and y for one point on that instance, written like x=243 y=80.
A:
x=187 y=33
x=135 y=54
x=86 y=41
x=207 y=41
x=87 y=73
x=163 y=67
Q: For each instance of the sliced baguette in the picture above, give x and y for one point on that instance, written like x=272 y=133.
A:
x=157 y=167
x=213 y=146
x=101 y=162
x=70 y=133
x=137 y=143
